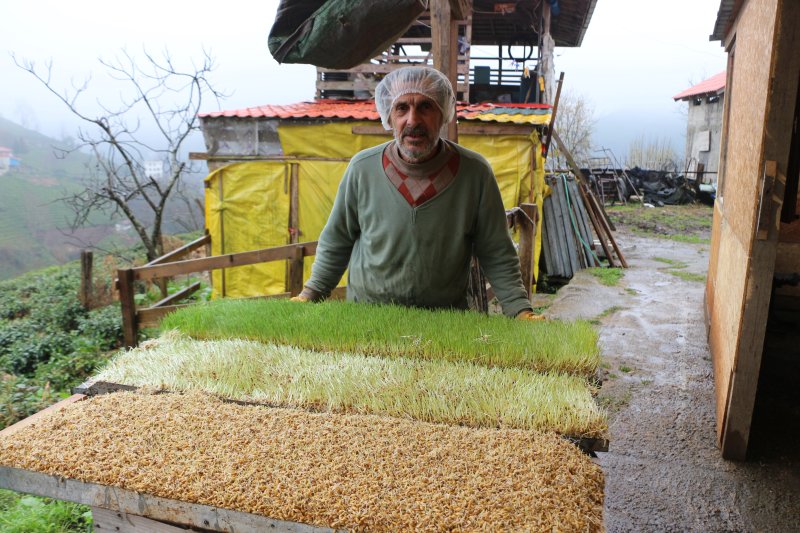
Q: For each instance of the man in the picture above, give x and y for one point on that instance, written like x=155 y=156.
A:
x=409 y=213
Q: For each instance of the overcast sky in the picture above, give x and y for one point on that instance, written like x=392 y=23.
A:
x=635 y=56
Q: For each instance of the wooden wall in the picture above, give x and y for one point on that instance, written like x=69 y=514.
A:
x=762 y=78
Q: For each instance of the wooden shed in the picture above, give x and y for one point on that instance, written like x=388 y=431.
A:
x=274 y=172
x=752 y=293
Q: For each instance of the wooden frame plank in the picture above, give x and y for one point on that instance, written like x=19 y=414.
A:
x=178 y=296
x=182 y=251
x=130 y=331
x=188 y=266
x=10 y=430
x=153 y=507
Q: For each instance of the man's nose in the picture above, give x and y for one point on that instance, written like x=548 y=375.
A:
x=413 y=116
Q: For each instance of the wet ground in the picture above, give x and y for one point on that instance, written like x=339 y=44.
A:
x=663 y=470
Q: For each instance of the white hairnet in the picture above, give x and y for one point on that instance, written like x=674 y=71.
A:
x=422 y=80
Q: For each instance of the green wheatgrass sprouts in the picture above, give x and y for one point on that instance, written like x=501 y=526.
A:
x=393 y=331
x=431 y=391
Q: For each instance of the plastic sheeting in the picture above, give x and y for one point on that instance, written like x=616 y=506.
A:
x=339 y=34
x=332 y=140
x=247 y=208
x=247 y=204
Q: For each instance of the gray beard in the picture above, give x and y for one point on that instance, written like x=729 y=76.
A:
x=416 y=155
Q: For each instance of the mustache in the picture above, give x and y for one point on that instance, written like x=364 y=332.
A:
x=415 y=130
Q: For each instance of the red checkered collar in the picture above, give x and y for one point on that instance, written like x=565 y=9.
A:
x=418 y=183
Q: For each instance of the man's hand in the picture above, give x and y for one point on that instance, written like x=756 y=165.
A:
x=307 y=295
x=529 y=315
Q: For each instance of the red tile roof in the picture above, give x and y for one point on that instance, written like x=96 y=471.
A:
x=353 y=109
x=713 y=85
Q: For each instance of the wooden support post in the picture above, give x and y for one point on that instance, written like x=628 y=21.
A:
x=85 y=295
x=444 y=35
x=598 y=228
x=294 y=232
x=130 y=329
x=527 y=237
x=296 y=271
x=552 y=125
x=222 y=289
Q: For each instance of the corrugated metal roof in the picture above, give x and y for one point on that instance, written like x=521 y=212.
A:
x=365 y=110
x=728 y=10
x=713 y=85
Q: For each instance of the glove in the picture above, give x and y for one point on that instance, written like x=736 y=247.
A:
x=529 y=315
x=307 y=295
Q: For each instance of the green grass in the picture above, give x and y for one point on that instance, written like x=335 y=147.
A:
x=687 y=276
x=674 y=263
x=394 y=331
x=676 y=269
x=610 y=311
x=607 y=276
x=431 y=391
x=27 y=514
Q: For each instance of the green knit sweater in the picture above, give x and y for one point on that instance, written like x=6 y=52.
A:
x=417 y=256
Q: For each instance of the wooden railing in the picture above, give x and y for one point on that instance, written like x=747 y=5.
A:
x=524 y=218
x=169 y=265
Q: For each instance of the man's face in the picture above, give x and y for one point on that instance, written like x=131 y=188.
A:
x=416 y=121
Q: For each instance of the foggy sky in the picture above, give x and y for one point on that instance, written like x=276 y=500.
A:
x=635 y=56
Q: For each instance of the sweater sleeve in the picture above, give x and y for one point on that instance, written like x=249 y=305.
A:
x=495 y=251
x=337 y=238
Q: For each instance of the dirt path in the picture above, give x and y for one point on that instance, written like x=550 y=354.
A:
x=663 y=470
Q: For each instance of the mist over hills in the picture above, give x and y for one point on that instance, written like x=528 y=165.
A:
x=34 y=221
x=616 y=131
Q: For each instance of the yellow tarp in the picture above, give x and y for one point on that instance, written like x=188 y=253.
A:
x=251 y=210
x=247 y=208
x=334 y=140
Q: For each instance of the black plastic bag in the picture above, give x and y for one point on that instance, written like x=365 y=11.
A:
x=339 y=34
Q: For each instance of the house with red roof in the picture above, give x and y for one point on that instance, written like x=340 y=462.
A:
x=704 y=128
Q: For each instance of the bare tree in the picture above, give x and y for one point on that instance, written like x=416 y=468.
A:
x=162 y=103
x=575 y=125
x=652 y=154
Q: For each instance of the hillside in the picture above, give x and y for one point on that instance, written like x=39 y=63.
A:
x=34 y=223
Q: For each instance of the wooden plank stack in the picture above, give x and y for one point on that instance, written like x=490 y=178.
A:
x=567 y=240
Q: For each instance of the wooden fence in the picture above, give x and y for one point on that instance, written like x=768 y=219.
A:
x=169 y=265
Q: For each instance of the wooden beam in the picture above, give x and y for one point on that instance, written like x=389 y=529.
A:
x=596 y=214
x=552 y=124
x=178 y=296
x=295 y=278
x=130 y=331
x=527 y=239
x=118 y=499
x=10 y=430
x=182 y=251
x=87 y=286
x=460 y=9
x=107 y=520
x=188 y=266
x=444 y=32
